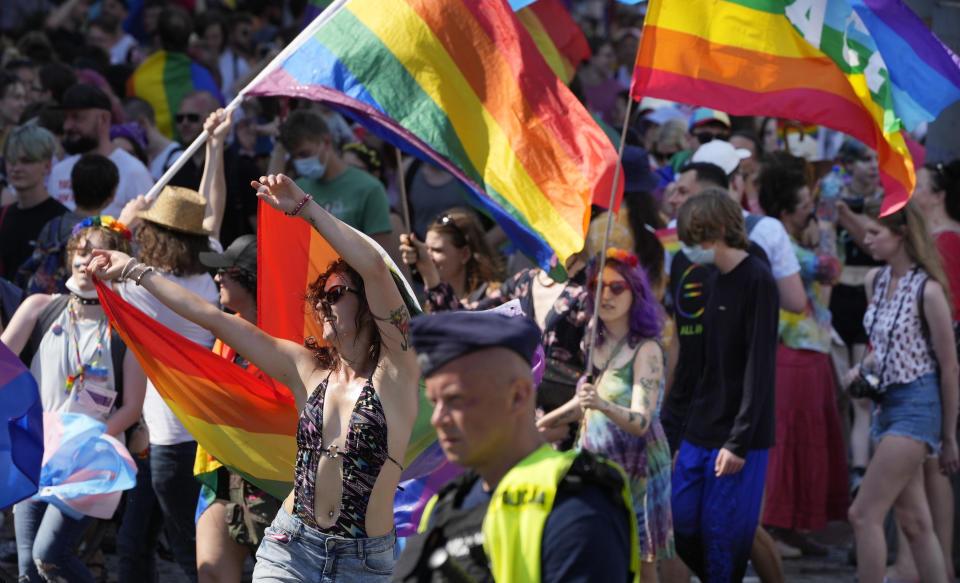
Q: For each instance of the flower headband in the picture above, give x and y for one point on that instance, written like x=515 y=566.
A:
x=623 y=256
x=104 y=222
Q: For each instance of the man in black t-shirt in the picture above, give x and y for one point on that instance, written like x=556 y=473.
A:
x=721 y=463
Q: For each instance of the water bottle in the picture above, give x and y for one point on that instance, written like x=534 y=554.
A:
x=830 y=188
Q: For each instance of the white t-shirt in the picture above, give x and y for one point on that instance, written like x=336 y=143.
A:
x=134 y=180
x=165 y=159
x=120 y=51
x=770 y=235
x=164 y=427
x=773 y=238
x=232 y=67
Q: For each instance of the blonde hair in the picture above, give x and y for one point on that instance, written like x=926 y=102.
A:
x=673 y=132
x=31 y=142
x=917 y=241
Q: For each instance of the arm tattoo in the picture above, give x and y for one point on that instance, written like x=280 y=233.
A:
x=401 y=319
x=653 y=362
x=650 y=385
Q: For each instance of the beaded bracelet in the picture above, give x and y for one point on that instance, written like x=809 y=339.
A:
x=146 y=270
x=123 y=272
x=296 y=210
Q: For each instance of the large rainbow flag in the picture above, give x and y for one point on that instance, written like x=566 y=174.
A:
x=21 y=435
x=163 y=79
x=246 y=423
x=461 y=84
x=868 y=68
x=557 y=35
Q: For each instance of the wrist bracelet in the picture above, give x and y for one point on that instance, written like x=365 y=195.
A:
x=126 y=268
x=296 y=210
x=146 y=270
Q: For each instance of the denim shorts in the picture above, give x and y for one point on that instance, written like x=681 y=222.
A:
x=292 y=552
x=912 y=410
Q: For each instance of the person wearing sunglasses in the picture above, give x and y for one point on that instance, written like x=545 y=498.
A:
x=355 y=388
x=618 y=404
x=455 y=258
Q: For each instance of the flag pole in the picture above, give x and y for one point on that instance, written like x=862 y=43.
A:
x=308 y=31
x=402 y=183
x=611 y=217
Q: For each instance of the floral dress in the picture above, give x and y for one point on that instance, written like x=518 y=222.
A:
x=645 y=459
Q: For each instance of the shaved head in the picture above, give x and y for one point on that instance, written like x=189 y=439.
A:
x=482 y=402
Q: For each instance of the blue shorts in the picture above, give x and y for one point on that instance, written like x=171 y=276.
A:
x=911 y=410
x=292 y=552
x=715 y=519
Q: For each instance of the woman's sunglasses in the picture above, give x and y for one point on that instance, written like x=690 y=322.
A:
x=334 y=294
x=615 y=287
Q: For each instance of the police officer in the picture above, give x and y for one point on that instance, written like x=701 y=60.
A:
x=522 y=511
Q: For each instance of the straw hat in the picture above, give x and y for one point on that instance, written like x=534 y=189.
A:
x=178 y=208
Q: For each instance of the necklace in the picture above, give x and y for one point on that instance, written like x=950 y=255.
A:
x=81 y=367
x=85 y=301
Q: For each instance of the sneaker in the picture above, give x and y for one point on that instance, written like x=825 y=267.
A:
x=786 y=551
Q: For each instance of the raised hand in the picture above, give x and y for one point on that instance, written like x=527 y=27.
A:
x=412 y=250
x=218 y=125
x=107 y=264
x=279 y=191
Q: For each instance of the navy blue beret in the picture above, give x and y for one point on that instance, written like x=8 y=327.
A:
x=440 y=338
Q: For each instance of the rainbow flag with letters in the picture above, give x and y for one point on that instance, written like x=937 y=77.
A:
x=163 y=79
x=557 y=35
x=868 y=68
x=461 y=84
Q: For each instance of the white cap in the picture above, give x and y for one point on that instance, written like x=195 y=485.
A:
x=722 y=154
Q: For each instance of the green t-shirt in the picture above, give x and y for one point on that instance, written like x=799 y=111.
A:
x=354 y=197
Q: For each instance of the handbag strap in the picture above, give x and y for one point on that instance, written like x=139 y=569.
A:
x=896 y=318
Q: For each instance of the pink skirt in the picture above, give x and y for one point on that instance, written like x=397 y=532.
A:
x=807 y=476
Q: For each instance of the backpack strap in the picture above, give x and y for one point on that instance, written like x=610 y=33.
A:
x=46 y=318
x=924 y=325
x=751 y=221
x=118 y=350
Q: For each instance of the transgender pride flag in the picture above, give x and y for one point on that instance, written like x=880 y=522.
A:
x=21 y=435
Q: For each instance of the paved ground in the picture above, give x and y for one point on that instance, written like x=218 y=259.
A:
x=832 y=568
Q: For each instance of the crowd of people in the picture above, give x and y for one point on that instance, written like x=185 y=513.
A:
x=754 y=353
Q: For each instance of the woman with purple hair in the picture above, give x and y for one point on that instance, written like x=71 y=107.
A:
x=620 y=409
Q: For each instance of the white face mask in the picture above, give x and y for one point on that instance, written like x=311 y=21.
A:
x=697 y=254
x=311 y=167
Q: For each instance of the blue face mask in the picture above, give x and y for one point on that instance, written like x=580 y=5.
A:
x=697 y=254
x=311 y=167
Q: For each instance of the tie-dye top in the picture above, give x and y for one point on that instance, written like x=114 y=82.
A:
x=811 y=329
x=362 y=457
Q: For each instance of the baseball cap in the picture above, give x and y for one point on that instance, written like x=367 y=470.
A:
x=703 y=115
x=241 y=253
x=83 y=96
x=445 y=336
x=721 y=153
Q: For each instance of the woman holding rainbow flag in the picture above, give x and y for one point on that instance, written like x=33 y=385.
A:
x=357 y=397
